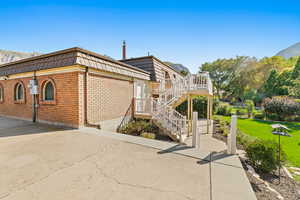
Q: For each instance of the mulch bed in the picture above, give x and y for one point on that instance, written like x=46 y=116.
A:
x=288 y=188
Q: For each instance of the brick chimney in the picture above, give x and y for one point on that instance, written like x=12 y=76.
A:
x=124 y=50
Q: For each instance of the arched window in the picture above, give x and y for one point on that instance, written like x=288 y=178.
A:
x=48 y=91
x=19 y=92
x=1 y=93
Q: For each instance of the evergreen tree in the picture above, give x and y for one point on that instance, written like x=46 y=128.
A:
x=296 y=71
x=270 y=84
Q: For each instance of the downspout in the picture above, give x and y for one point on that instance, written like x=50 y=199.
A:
x=34 y=105
x=86 y=121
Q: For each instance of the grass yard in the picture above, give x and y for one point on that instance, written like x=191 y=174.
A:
x=262 y=130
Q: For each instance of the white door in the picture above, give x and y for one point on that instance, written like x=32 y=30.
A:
x=139 y=96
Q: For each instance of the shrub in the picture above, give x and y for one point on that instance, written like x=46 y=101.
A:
x=259 y=116
x=138 y=127
x=262 y=155
x=297 y=119
x=243 y=139
x=279 y=108
x=148 y=135
x=224 y=125
x=241 y=111
x=224 y=109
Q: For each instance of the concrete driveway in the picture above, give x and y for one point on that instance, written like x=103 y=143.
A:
x=45 y=162
x=39 y=162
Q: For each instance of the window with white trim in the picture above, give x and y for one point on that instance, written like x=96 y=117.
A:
x=19 y=92
x=48 y=91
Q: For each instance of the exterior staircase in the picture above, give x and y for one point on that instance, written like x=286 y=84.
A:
x=164 y=115
x=162 y=111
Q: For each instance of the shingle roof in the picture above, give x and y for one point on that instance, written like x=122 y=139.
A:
x=154 y=58
x=71 y=56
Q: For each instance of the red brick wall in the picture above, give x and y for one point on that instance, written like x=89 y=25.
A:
x=108 y=98
x=65 y=110
x=8 y=106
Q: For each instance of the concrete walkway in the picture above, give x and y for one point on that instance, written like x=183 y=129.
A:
x=227 y=177
x=45 y=162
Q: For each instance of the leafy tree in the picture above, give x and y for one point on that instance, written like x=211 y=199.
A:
x=249 y=107
x=277 y=84
x=296 y=70
x=294 y=88
x=243 y=78
x=267 y=64
x=243 y=82
x=269 y=86
x=222 y=72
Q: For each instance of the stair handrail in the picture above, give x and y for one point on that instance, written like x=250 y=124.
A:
x=165 y=113
x=172 y=120
x=168 y=116
x=128 y=116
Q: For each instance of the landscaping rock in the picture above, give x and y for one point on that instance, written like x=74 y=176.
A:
x=295 y=169
x=267 y=187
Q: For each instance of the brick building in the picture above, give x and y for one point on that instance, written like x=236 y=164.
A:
x=75 y=87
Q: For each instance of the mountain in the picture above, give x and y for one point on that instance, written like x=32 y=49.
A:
x=10 y=56
x=291 y=51
x=178 y=67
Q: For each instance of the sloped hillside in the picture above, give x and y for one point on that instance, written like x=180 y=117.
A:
x=10 y=56
x=291 y=51
x=178 y=67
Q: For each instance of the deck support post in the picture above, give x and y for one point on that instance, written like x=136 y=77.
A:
x=208 y=114
x=189 y=114
x=211 y=107
x=196 y=135
x=191 y=104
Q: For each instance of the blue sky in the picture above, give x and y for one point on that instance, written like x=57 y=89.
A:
x=187 y=32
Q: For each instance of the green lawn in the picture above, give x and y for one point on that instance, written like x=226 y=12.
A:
x=262 y=129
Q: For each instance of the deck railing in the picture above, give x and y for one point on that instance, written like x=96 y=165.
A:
x=169 y=118
x=160 y=108
x=143 y=105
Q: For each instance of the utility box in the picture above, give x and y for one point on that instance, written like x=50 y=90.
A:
x=33 y=87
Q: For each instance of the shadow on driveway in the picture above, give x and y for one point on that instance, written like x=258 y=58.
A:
x=175 y=148
x=15 y=127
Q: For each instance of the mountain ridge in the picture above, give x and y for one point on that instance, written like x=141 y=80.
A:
x=7 y=56
x=178 y=67
x=291 y=51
